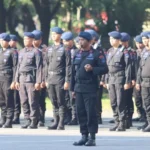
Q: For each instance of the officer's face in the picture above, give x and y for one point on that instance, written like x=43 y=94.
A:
x=149 y=43
x=84 y=43
x=68 y=43
x=4 y=44
x=28 y=41
x=125 y=44
x=114 y=42
x=145 y=41
x=55 y=36
x=139 y=45
x=37 y=43
x=12 y=43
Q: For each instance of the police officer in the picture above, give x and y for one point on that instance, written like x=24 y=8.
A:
x=125 y=38
x=145 y=40
x=137 y=94
x=87 y=65
x=119 y=66
x=58 y=74
x=29 y=78
x=143 y=79
x=97 y=45
x=8 y=64
x=37 y=43
x=17 y=106
x=67 y=38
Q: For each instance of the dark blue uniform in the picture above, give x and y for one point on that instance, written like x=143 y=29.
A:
x=58 y=72
x=8 y=65
x=84 y=84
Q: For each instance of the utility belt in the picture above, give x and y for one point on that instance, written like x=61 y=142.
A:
x=55 y=72
x=3 y=72
x=146 y=79
x=28 y=73
x=117 y=74
x=84 y=81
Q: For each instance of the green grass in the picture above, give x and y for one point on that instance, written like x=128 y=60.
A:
x=105 y=103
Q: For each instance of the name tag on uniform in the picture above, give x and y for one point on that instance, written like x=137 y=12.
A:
x=90 y=57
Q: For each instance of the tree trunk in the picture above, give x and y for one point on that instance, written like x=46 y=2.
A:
x=2 y=17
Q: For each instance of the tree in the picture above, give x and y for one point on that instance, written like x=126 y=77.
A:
x=2 y=17
x=46 y=10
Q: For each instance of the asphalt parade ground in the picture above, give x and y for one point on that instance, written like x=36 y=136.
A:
x=43 y=139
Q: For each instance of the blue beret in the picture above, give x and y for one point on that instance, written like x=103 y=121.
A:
x=29 y=34
x=67 y=36
x=37 y=34
x=85 y=35
x=125 y=37
x=5 y=37
x=138 y=39
x=149 y=35
x=92 y=32
x=145 y=34
x=57 y=30
x=115 y=34
x=13 y=37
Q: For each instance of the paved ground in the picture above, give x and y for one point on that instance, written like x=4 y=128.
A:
x=43 y=139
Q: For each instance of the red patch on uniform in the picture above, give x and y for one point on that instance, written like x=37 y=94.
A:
x=126 y=51
x=101 y=56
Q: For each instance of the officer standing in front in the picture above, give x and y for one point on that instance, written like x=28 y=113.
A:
x=119 y=77
x=67 y=38
x=57 y=77
x=87 y=65
x=143 y=82
x=29 y=78
x=8 y=65
x=37 y=43
x=17 y=106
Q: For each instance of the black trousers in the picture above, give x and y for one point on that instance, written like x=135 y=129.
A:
x=29 y=100
x=129 y=102
x=70 y=104
x=6 y=100
x=57 y=96
x=146 y=101
x=17 y=105
x=99 y=100
x=139 y=102
x=116 y=95
x=86 y=112
x=42 y=104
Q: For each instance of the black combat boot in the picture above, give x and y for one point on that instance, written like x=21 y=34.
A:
x=54 y=125
x=115 y=126
x=16 y=119
x=33 y=124
x=147 y=129
x=2 y=121
x=61 y=119
x=26 y=124
x=112 y=121
x=67 y=117
x=82 y=141
x=100 y=119
x=121 y=126
x=8 y=123
x=73 y=122
x=91 y=140
x=42 y=120
x=143 y=126
x=127 y=123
